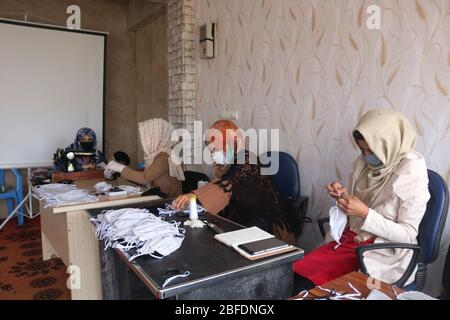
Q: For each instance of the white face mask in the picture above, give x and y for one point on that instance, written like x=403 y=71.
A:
x=338 y=222
x=219 y=157
x=103 y=186
x=69 y=197
x=167 y=244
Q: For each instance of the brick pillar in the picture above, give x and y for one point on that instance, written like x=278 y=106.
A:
x=182 y=66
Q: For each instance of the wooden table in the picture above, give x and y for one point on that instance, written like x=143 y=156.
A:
x=67 y=233
x=57 y=177
x=359 y=280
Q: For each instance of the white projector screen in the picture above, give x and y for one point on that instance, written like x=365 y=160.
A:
x=51 y=84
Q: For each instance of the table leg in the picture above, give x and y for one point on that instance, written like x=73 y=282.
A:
x=84 y=256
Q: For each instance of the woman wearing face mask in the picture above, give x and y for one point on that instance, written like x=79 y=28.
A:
x=86 y=142
x=161 y=174
x=239 y=192
x=385 y=203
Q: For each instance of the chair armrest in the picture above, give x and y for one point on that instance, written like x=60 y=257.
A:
x=301 y=204
x=321 y=223
x=378 y=246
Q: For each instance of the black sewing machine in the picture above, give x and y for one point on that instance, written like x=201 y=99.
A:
x=63 y=159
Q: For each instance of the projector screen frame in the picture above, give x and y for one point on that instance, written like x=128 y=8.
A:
x=64 y=29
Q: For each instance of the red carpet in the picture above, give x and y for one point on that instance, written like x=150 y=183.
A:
x=23 y=273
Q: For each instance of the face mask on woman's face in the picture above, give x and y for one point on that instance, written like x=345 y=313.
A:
x=87 y=145
x=372 y=160
x=220 y=158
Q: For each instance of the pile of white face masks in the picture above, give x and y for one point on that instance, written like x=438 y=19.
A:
x=131 y=189
x=57 y=195
x=138 y=229
x=103 y=186
x=52 y=189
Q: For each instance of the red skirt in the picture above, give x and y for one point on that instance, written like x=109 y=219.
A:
x=327 y=263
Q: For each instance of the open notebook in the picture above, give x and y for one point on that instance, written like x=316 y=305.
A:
x=236 y=238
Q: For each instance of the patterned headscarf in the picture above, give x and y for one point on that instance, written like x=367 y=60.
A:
x=156 y=137
x=80 y=134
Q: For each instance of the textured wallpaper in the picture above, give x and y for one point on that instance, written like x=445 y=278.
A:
x=312 y=67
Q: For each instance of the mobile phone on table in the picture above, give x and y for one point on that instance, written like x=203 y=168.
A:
x=263 y=246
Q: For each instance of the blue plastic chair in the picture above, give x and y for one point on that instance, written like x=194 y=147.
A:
x=287 y=182
x=13 y=195
x=429 y=237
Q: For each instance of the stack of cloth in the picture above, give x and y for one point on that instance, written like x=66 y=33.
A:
x=140 y=230
x=57 y=194
x=105 y=187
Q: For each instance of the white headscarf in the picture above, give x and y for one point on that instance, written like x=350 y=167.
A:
x=155 y=137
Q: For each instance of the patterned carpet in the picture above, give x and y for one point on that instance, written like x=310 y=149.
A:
x=23 y=273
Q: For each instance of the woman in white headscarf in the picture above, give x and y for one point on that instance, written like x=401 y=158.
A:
x=161 y=174
x=385 y=203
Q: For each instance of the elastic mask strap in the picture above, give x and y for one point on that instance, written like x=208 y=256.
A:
x=341 y=243
x=302 y=295
x=356 y=295
x=184 y=275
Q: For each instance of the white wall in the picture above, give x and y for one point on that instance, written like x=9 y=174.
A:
x=51 y=84
x=311 y=68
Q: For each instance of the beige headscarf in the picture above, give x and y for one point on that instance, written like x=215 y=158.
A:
x=390 y=137
x=155 y=137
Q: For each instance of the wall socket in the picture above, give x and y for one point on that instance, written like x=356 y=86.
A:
x=229 y=115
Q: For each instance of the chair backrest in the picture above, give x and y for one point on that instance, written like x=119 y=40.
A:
x=432 y=225
x=16 y=174
x=287 y=179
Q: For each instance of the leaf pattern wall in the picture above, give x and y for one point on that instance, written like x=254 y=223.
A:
x=311 y=68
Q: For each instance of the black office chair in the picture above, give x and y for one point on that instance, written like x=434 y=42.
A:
x=191 y=181
x=446 y=279
x=287 y=182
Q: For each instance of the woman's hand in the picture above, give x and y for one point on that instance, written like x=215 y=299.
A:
x=352 y=206
x=182 y=201
x=111 y=168
x=336 y=190
x=89 y=166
